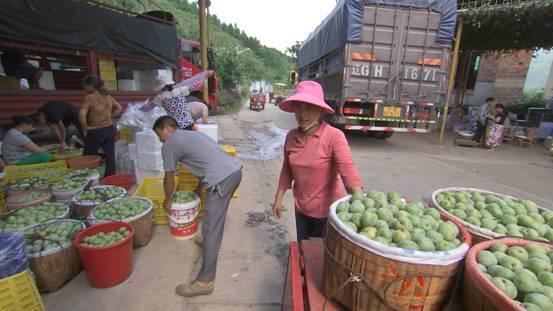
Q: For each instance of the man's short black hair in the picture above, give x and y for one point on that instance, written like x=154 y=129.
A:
x=499 y=106
x=490 y=99
x=163 y=122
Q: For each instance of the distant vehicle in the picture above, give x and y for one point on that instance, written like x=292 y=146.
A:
x=278 y=93
x=257 y=101
x=383 y=65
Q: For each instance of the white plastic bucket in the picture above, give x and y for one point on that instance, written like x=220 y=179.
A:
x=183 y=219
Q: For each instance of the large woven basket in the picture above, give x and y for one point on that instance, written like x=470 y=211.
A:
x=383 y=283
x=479 y=234
x=479 y=293
x=54 y=268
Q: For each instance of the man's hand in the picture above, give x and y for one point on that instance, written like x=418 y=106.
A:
x=195 y=127
x=167 y=205
x=62 y=148
x=277 y=208
x=198 y=189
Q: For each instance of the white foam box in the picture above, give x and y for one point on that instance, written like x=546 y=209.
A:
x=133 y=152
x=139 y=174
x=150 y=161
x=210 y=130
x=147 y=141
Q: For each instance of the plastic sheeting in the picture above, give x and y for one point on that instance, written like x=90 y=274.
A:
x=82 y=26
x=345 y=25
x=13 y=258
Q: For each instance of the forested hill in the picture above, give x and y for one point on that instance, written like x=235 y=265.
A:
x=234 y=63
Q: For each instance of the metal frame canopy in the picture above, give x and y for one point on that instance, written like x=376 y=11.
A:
x=502 y=25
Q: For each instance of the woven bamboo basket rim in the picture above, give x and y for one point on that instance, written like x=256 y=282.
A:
x=486 y=234
x=12 y=200
x=56 y=249
x=76 y=202
x=484 y=285
x=93 y=219
x=408 y=256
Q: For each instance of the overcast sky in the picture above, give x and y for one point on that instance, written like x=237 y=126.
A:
x=276 y=23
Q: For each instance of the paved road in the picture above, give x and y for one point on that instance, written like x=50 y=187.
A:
x=251 y=265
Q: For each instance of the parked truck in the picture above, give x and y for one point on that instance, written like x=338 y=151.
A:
x=127 y=50
x=383 y=64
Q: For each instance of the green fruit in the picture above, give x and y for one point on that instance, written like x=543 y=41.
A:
x=459 y=214
x=482 y=268
x=547 y=215
x=499 y=247
x=429 y=223
x=501 y=229
x=548 y=292
x=385 y=233
x=524 y=220
x=369 y=232
x=508 y=219
x=518 y=252
x=368 y=219
x=536 y=249
x=530 y=234
x=351 y=226
x=531 y=307
x=539 y=227
x=499 y=255
x=357 y=207
x=380 y=224
x=549 y=235
x=500 y=271
x=385 y=214
x=526 y=284
x=408 y=244
x=434 y=213
x=537 y=217
x=486 y=258
x=342 y=207
x=400 y=235
x=538 y=265
x=357 y=196
x=368 y=202
x=448 y=230
x=473 y=221
x=434 y=236
x=511 y=263
x=425 y=244
x=344 y=216
x=539 y=300
x=505 y=286
x=444 y=246
x=382 y=240
x=418 y=233
x=488 y=223
x=546 y=278
x=514 y=233
x=356 y=219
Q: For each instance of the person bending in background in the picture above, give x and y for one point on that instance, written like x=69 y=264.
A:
x=18 y=149
x=317 y=161
x=198 y=110
x=16 y=65
x=96 y=115
x=495 y=136
x=59 y=116
x=482 y=120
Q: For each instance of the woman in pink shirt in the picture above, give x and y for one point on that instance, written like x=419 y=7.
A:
x=317 y=162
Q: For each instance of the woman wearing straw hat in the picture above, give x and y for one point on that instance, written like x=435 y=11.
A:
x=317 y=161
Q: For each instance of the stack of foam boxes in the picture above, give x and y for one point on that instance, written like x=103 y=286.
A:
x=146 y=153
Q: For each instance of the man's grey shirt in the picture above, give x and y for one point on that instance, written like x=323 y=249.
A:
x=202 y=156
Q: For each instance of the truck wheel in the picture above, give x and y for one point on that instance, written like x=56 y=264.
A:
x=382 y=134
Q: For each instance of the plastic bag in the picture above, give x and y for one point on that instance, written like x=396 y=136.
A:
x=13 y=258
x=123 y=163
x=134 y=117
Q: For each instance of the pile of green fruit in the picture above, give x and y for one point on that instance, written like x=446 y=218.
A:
x=99 y=194
x=103 y=239
x=54 y=175
x=84 y=173
x=182 y=197
x=503 y=215
x=70 y=184
x=51 y=235
x=28 y=183
x=388 y=219
x=31 y=196
x=522 y=273
x=33 y=215
x=121 y=209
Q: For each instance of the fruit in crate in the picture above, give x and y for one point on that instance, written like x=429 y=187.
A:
x=524 y=272
x=33 y=215
x=99 y=194
x=54 y=175
x=103 y=239
x=121 y=209
x=84 y=173
x=512 y=217
x=182 y=197
x=70 y=184
x=51 y=235
x=387 y=218
x=27 y=183
x=33 y=195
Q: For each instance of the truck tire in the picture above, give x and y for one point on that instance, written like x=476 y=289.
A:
x=382 y=134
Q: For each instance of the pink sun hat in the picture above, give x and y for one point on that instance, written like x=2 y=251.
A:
x=309 y=92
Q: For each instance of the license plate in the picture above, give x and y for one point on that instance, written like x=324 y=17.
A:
x=408 y=73
x=416 y=73
x=391 y=112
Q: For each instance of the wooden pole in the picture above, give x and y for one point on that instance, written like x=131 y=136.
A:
x=203 y=45
x=451 y=81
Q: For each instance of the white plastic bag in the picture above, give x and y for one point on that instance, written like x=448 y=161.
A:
x=134 y=117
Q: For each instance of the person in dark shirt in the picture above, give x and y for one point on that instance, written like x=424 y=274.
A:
x=58 y=115
x=15 y=65
x=495 y=136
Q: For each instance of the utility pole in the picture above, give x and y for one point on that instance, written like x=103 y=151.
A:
x=452 y=73
x=203 y=4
